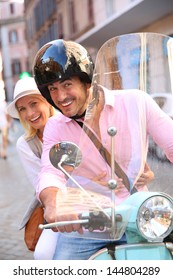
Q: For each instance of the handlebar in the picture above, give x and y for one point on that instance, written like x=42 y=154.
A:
x=93 y=221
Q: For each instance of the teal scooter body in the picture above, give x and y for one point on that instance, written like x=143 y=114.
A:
x=137 y=247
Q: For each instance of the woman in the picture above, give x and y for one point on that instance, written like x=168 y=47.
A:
x=4 y=126
x=33 y=112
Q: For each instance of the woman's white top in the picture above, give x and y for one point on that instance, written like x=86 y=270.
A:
x=30 y=162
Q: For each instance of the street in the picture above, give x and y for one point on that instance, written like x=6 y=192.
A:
x=16 y=193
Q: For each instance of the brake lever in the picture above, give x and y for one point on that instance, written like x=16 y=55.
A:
x=60 y=224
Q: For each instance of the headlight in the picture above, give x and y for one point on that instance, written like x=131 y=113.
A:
x=155 y=218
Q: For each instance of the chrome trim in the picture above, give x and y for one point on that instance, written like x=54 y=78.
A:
x=139 y=245
x=168 y=245
x=104 y=250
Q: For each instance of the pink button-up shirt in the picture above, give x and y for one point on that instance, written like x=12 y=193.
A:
x=135 y=116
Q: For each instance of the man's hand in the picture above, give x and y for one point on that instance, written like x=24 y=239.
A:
x=55 y=212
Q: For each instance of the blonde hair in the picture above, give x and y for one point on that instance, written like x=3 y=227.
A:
x=30 y=131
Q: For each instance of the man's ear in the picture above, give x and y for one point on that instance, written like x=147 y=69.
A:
x=88 y=86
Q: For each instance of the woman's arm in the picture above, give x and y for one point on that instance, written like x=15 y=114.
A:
x=146 y=177
x=30 y=161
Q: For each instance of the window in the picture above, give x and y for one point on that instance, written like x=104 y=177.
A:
x=165 y=46
x=43 y=12
x=29 y=28
x=13 y=37
x=16 y=67
x=12 y=8
x=72 y=17
x=90 y=10
x=109 y=7
x=60 y=27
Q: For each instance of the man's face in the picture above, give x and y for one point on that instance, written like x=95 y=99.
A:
x=70 y=96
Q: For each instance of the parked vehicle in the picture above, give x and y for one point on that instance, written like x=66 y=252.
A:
x=165 y=102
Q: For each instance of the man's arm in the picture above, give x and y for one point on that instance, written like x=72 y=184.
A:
x=52 y=181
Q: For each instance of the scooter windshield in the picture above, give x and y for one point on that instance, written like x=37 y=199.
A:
x=124 y=146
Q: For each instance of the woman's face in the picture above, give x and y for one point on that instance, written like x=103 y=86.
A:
x=33 y=111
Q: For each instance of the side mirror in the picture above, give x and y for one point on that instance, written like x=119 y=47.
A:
x=66 y=154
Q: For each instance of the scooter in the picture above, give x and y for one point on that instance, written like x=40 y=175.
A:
x=145 y=217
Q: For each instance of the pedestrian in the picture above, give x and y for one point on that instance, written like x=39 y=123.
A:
x=4 y=127
x=63 y=72
x=33 y=111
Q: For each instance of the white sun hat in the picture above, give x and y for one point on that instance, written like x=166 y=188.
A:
x=23 y=87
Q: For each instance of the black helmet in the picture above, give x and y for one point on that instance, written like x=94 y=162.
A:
x=60 y=60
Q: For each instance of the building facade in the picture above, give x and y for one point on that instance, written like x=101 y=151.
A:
x=25 y=27
x=92 y=22
x=13 y=46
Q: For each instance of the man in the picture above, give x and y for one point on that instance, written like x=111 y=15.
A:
x=63 y=72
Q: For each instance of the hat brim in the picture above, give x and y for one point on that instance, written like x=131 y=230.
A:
x=11 y=108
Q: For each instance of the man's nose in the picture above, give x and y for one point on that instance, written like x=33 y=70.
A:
x=61 y=95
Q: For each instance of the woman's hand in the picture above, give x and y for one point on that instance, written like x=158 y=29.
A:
x=146 y=177
x=98 y=180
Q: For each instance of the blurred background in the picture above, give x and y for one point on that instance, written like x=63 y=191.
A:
x=27 y=25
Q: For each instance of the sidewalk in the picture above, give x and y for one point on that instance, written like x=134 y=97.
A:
x=16 y=193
